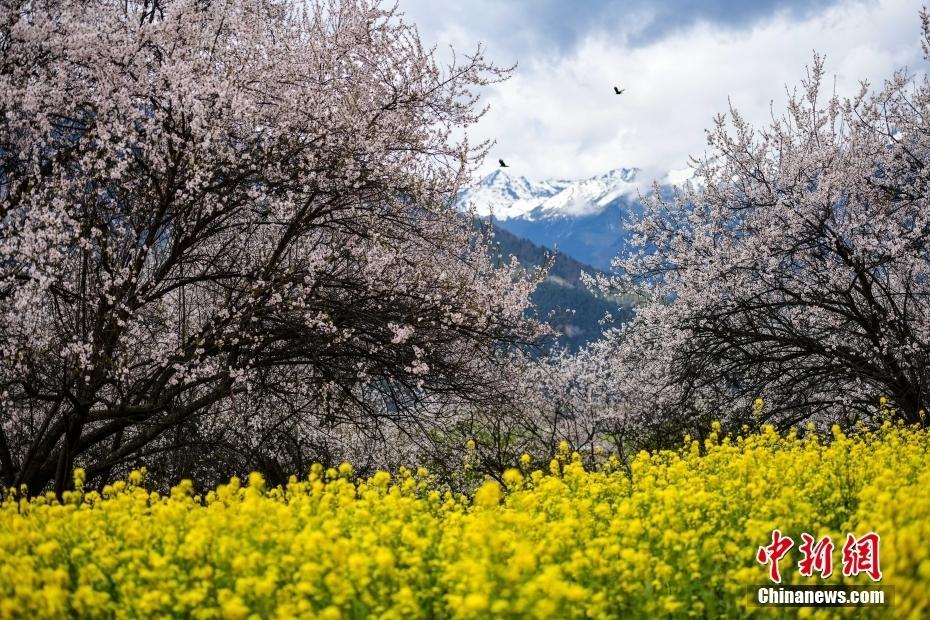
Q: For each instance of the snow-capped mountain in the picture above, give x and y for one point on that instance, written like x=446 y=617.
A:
x=508 y=196
x=583 y=219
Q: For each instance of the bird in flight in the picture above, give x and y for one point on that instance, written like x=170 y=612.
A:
x=503 y=165
x=618 y=91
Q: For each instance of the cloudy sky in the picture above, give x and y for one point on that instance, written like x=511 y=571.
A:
x=680 y=61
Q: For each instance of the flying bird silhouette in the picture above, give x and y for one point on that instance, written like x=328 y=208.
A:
x=618 y=91
x=503 y=165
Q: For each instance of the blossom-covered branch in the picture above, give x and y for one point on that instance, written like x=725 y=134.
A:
x=227 y=225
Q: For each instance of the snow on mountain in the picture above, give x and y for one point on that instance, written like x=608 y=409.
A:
x=509 y=196
x=590 y=196
x=583 y=218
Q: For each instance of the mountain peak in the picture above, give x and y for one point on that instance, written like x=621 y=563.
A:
x=584 y=218
x=507 y=196
x=624 y=174
x=498 y=176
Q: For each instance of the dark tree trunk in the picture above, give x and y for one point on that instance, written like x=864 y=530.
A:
x=64 y=470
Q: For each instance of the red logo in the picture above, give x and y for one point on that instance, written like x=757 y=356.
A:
x=817 y=557
x=774 y=552
x=860 y=555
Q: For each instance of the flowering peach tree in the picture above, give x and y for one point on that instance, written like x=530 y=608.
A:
x=226 y=226
x=791 y=279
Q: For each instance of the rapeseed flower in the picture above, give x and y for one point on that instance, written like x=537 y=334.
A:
x=677 y=536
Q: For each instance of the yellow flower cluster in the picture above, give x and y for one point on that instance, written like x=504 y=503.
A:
x=676 y=534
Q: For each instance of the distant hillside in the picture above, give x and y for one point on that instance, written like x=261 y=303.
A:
x=583 y=218
x=562 y=299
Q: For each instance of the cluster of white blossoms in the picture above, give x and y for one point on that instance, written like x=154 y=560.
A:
x=219 y=217
x=796 y=268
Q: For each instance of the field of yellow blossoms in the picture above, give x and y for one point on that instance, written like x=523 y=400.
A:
x=676 y=535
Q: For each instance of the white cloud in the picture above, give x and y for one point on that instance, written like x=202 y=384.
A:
x=558 y=116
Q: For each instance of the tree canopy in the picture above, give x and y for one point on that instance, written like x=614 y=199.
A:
x=227 y=235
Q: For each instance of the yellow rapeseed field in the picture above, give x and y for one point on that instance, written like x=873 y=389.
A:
x=675 y=535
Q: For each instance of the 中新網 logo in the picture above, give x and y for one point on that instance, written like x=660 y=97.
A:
x=859 y=555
